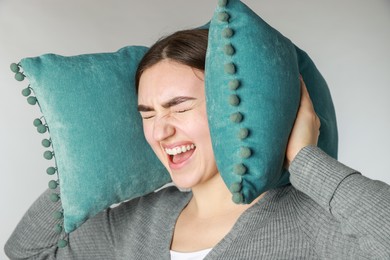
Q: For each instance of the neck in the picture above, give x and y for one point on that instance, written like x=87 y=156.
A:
x=213 y=199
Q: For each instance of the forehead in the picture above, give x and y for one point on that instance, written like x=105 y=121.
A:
x=168 y=79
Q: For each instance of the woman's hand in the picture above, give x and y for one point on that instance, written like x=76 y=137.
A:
x=306 y=128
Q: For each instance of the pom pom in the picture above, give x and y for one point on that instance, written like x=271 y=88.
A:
x=41 y=129
x=223 y=17
x=14 y=67
x=222 y=3
x=58 y=215
x=48 y=155
x=234 y=84
x=37 y=122
x=51 y=170
x=239 y=169
x=230 y=68
x=54 y=197
x=46 y=143
x=238 y=198
x=62 y=243
x=19 y=76
x=26 y=92
x=245 y=152
x=227 y=33
x=236 y=117
x=32 y=100
x=53 y=184
x=234 y=100
x=243 y=133
x=235 y=187
x=58 y=228
x=228 y=49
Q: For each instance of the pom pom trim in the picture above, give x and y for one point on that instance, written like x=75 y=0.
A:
x=42 y=127
x=234 y=84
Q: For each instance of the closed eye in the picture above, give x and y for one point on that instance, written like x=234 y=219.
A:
x=146 y=115
x=182 y=110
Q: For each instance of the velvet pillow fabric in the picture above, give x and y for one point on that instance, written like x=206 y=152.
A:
x=252 y=97
x=96 y=141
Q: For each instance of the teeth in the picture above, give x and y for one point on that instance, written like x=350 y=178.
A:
x=179 y=149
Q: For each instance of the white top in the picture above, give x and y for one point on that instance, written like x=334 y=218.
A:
x=198 y=255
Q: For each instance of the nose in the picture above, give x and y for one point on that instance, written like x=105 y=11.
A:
x=163 y=128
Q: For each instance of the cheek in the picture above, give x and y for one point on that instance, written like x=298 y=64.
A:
x=200 y=128
x=148 y=133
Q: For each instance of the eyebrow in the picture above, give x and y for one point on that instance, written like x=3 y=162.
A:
x=170 y=103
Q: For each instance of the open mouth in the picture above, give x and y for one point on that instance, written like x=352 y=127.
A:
x=180 y=153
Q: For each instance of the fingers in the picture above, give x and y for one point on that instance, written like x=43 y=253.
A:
x=306 y=126
x=305 y=97
x=307 y=105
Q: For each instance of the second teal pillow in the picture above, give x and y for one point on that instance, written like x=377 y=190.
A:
x=253 y=94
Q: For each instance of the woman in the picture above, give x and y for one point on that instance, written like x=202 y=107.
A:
x=330 y=211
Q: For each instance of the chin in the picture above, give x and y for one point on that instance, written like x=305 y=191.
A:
x=184 y=182
x=182 y=185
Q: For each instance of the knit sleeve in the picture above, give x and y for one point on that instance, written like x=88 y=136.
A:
x=35 y=236
x=360 y=204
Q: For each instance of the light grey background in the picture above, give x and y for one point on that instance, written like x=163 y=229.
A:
x=349 y=41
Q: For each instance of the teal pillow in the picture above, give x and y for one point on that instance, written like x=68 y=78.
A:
x=96 y=141
x=252 y=97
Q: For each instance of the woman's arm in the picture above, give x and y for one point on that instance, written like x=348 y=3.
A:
x=360 y=204
x=35 y=236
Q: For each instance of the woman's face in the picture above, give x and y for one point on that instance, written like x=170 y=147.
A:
x=171 y=100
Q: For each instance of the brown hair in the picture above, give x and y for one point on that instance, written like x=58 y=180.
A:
x=187 y=47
